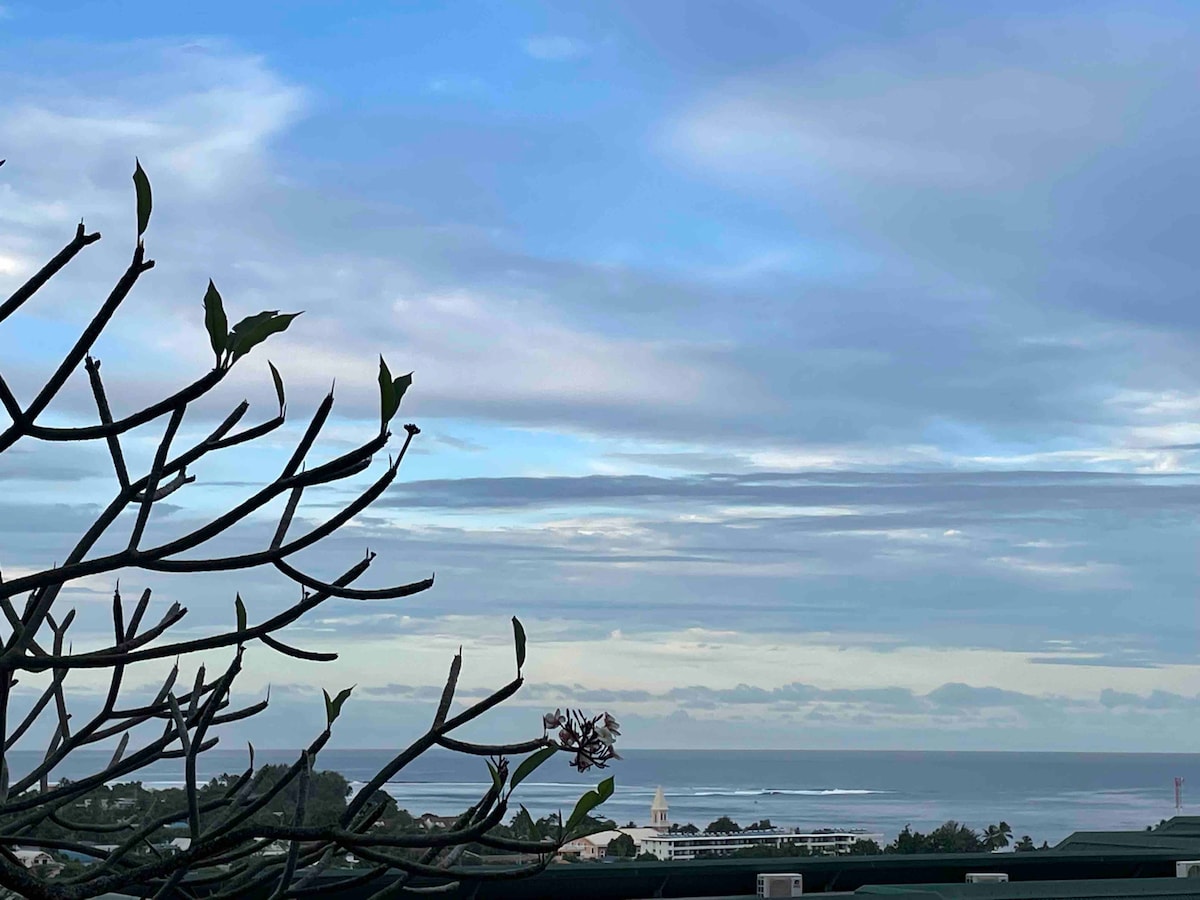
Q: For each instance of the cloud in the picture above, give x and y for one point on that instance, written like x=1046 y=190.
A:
x=968 y=176
x=1156 y=700
x=863 y=491
x=202 y=117
x=913 y=288
x=461 y=301
x=957 y=695
x=554 y=47
x=976 y=127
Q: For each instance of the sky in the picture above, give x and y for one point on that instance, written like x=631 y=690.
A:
x=802 y=374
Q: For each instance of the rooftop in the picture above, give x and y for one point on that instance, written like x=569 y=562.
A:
x=1087 y=864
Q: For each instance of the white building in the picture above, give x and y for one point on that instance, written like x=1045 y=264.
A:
x=595 y=846
x=691 y=846
x=33 y=859
x=592 y=846
x=657 y=838
x=658 y=812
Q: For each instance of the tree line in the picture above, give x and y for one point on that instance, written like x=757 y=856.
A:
x=111 y=805
x=949 y=837
x=101 y=815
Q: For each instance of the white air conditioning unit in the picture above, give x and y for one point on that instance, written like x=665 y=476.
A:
x=1187 y=868
x=781 y=884
x=987 y=877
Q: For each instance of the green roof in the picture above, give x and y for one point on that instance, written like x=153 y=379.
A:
x=1181 y=825
x=1180 y=834
x=1178 y=840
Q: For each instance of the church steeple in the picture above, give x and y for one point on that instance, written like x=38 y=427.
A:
x=658 y=811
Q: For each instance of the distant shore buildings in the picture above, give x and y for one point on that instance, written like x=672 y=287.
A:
x=658 y=839
x=692 y=846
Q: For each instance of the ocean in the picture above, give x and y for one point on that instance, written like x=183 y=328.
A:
x=1044 y=795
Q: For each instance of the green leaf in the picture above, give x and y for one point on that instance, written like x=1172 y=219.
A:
x=391 y=392
x=524 y=824
x=333 y=708
x=583 y=806
x=141 y=184
x=248 y=323
x=399 y=386
x=530 y=764
x=278 y=386
x=387 y=394
x=214 y=320
x=497 y=781
x=590 y=801
x=253 y=330
x=241 y=613
x=519 y=639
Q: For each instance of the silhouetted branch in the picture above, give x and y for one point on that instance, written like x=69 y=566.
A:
x=234 y=829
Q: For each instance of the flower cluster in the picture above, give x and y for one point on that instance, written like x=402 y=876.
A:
x=591 y=739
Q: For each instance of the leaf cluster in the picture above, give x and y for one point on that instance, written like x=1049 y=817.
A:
x=230 y=345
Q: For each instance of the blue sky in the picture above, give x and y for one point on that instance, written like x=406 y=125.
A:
x=802 y=375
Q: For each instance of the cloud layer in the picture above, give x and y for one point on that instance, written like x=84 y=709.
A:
x=875 y=358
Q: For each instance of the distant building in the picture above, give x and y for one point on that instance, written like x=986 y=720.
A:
x=595 y=846
x=691 y=846
x=34 y=859
x=639 y=835
x=658 y=812
x=657 y=838
x=43 y=862
x=592 y=846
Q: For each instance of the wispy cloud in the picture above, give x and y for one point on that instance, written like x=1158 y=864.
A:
x=761 y=351
x=554 y=47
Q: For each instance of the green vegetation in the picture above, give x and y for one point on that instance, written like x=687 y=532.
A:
x=104 y=814
x=621 y=847
x=951 y=837
x=723 y=825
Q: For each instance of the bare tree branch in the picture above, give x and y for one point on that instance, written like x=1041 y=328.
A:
x=231 y=824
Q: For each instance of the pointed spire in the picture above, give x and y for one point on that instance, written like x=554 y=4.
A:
x=658 y=812
x=660 y=802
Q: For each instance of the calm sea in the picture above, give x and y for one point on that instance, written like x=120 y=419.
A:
x=1044 y=795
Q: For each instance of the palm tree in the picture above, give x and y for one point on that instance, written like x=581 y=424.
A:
x=997 y=836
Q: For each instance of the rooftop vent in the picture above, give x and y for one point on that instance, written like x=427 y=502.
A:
x=1187 y=868
x=781 y=884
x=987 y=877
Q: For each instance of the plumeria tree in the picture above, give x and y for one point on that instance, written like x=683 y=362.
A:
x=184 y=719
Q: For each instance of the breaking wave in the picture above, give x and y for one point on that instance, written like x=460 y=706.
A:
x=769 y=792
